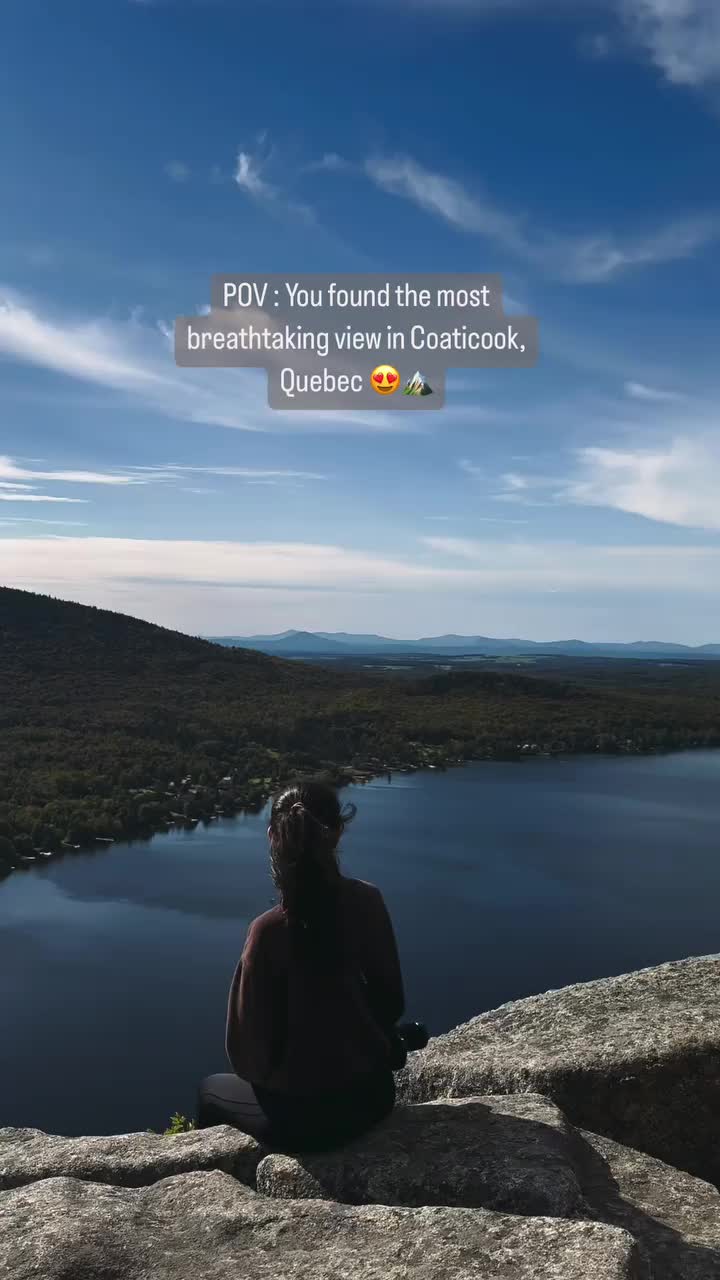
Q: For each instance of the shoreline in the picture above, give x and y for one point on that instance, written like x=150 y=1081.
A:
x=341 y=778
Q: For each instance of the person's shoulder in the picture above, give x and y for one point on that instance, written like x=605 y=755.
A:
x=361 y=890
x=264 y=927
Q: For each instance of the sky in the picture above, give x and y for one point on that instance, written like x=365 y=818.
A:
x=570 y=147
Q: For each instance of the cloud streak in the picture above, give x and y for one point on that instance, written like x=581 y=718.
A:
x=10 y=471
x=589 y=259
x=638 y=391
x=248 y=177
x=474 y=565
x=136 y=360
x=35 y=497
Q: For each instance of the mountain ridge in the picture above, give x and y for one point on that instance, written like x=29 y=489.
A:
x=348 y=643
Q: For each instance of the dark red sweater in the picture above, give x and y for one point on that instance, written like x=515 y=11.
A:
x=296 y=1032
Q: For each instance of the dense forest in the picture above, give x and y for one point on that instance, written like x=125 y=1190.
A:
x=113 y=728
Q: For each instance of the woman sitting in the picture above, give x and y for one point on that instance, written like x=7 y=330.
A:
x=316 y=995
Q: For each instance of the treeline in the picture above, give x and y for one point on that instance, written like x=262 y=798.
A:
x=112 y=728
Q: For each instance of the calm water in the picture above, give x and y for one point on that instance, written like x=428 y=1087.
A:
x=502 y=879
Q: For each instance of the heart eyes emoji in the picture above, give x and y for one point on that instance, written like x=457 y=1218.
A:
x=385 y=379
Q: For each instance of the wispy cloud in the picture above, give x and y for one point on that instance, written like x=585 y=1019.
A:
x=136 y=360
x=67 y=563
x=675 y=483
x=10 y=471
x=639 y=391
x=249 y=178
x=675 y=480
x=471 y=468
x=36 y=497
x=16 y=520
x=514 y=481
x=543 y=566
x=243 y=473
x=586 y=259
x=170 y=473
x=681 y=37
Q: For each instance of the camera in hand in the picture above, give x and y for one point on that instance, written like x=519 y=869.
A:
x=407 y=1037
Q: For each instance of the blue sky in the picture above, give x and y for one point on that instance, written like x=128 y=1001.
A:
x=570 y=147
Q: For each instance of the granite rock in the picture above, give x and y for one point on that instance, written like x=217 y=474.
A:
x=674 y=1216
x=636 y=1058
x=129 y=1160
x=514 y=1154
x=208 y=1225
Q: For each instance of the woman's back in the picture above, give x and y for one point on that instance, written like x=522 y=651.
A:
x=301 y=1027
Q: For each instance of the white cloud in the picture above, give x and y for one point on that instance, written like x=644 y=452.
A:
x=67 y=562
x=9 y=470
x=35 y=497
x=681 y=37
x=586 y=259
x=638 y=391
x=136 y=359
x=90 y=351
x=658 y=458
x=513 y=481
x=542 y=566
x=15 y=520
x=247 y=176
x=675 y=483
x=510 y=486
x=171 y=473
x=242 y=473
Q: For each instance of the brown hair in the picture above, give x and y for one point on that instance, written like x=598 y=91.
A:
x=306 y=822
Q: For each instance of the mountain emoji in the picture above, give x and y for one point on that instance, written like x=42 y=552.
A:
x=418 y=385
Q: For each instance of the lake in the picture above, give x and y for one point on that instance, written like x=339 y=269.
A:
x=502 y=879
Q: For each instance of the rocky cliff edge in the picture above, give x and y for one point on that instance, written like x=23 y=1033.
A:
x=570 y=1136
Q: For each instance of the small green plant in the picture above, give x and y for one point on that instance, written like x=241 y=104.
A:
x=179 y=1124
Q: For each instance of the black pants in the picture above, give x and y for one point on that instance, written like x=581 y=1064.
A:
x=309 y=1123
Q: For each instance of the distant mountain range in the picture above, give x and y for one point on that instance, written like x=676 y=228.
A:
x=346 y=644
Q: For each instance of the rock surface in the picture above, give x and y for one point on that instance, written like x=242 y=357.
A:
x=132 y=1160
x=478 y=1187
x=674 y=1217
x=518 y=1155
x=207 y=1225
x=636 y=1058
x=514 y=1154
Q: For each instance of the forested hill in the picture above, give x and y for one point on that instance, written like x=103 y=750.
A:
x=45 y=638
x=112 y=727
